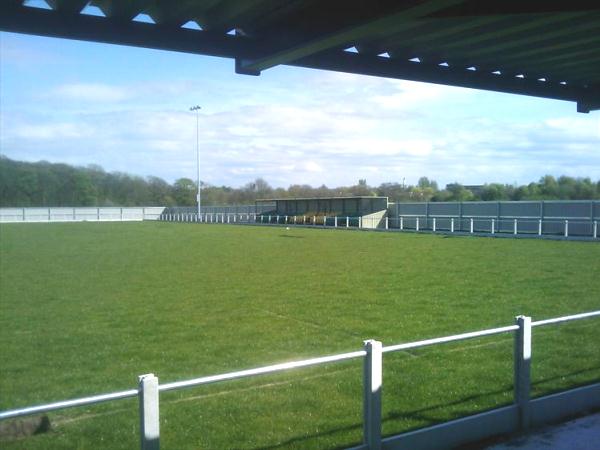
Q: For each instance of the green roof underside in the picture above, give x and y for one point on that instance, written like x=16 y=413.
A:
x=537 y=48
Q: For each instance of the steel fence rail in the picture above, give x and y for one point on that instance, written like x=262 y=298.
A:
x=260 y=371
x=94 y=399
x=446 y=339
x=565 y=318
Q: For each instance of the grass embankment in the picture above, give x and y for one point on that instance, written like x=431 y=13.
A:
x=87 y=307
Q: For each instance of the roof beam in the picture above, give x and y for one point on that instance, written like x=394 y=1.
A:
x=588 y=98
x=339 y=38
x=68 y=6
x=50 y=23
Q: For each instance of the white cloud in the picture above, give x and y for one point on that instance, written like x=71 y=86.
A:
x=91 y=92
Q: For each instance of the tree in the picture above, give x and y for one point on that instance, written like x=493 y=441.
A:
x=184 y=192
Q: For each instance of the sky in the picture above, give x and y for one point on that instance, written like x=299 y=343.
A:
x=127 y=109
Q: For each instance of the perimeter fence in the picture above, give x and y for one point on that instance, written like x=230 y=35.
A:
x=555 y=217
x=80 y=214
x=522 y=414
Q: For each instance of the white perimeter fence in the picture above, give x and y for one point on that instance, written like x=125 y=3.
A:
x=491 y=226
x=521 y=415
x=83 y=214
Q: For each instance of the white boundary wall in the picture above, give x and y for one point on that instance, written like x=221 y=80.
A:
x=82 y=214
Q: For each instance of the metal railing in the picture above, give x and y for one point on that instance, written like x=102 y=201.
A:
x=148 y=386
x=433 y=224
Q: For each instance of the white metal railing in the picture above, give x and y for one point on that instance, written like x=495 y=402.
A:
x=148 y=386
x=436 y=224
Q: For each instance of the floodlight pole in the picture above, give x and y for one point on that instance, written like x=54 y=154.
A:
x=197 y=110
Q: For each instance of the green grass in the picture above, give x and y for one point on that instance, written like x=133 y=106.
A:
x=86 y=308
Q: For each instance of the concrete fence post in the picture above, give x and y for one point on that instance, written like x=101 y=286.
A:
x=417 y=225
x=566 y=228
x=522 y=366
x=471 y=225
x=595 y=229
x=335 y=221
x=387 y=223
x=347 y=221
x=540 y=227
x=373 y=380
x=433 y=225
x=149 y=414
x=493 y=226
x=401 y=223
x=515 y=227
x=452 y=225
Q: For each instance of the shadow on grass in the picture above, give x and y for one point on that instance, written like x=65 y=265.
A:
x=291 y=236
x=427 y=414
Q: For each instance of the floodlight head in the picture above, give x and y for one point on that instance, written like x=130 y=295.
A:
x=195 y=108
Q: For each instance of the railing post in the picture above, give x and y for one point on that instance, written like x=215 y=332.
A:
x=540 y=227
x=97 y=213
x=359 y=221
x=149 y=415
x=493 y=226
x=452 y=225
x=24 y=214
x=401 y=223
x=471 y=225
x=515 y=229
x=373 y=379
x=335 y=222
x=50 y=215
x=566 y=228
x=522 y=365
x=417 y=225
x=433 y=229
x=347 y=221
x=387 y=223
x=595 y=229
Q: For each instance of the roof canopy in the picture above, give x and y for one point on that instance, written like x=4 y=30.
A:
x=529 y=47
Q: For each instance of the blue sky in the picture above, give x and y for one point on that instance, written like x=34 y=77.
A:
x=126 y=109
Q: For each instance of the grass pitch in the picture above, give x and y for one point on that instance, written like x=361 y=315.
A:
x=87 y=307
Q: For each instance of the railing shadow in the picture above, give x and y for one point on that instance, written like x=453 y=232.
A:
x=420 y=414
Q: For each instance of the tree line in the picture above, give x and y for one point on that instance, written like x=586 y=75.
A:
x=25 y=184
